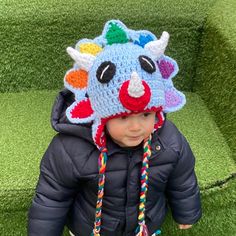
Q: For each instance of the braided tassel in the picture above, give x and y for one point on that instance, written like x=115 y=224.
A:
x=142 y=228
x=102 y=160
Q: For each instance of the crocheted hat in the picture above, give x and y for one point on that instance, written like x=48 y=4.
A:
x=120 y=72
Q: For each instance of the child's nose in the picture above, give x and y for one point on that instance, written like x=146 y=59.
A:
x=134 y=125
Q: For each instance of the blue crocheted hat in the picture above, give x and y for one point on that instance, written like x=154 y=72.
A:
x=120 y=72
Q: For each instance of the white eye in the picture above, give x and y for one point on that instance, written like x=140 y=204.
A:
x=106 y=72
x=147 y=64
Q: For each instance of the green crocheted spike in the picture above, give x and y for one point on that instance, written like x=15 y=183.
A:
x=116 y=35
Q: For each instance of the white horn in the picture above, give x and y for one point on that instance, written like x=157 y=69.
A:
x=158 y=47
x=135 y=88
x=83 y=60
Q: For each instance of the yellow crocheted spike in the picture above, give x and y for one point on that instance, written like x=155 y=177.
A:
x=90 y=48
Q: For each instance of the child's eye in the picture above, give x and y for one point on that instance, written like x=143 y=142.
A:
x=123 y=117
x=146 y=114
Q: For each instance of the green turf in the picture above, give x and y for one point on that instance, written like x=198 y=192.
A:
x=25 y=134
x=33 y=38
x=213 y=156
x=35 y=34
x=25 y=125
x=216 y=76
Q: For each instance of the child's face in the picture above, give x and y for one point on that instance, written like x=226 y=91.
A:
x=131 y=130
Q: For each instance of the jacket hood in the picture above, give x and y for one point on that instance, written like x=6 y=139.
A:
x=61 y=124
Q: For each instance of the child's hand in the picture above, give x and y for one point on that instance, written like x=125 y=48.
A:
x=185 y=226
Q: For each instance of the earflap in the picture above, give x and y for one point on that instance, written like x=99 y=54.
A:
x=98 y=132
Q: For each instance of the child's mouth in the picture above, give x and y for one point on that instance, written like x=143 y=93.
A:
x=134 y=137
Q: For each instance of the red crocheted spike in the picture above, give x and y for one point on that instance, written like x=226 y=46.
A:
x=82 y=109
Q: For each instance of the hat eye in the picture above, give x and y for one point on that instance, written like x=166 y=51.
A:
x=106 y=71
x=147 y=64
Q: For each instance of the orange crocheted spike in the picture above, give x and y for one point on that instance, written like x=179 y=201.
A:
x=77 y=79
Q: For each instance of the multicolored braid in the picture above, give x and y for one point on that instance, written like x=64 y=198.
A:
x=142 y=229
x=102 y=161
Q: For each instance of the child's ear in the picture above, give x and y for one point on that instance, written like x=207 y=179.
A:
x=174 y=99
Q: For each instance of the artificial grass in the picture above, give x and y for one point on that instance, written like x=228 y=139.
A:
x=214 y=161
x=216 y=77
x=35 y=34
x=25 y=124
x=33 y=39
x=218 y=218
x=26 y=129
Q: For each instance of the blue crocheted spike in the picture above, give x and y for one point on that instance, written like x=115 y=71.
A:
x=143 y=40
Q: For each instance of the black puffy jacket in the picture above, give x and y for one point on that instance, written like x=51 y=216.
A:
x=66 y=192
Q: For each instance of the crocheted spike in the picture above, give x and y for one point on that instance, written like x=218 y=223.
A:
x=82 y=109
x=116 y=35
x=80 y=112
x=90 y=48
x=143 y=40
x=76 y=79
x=166 y=68
x=174 y=100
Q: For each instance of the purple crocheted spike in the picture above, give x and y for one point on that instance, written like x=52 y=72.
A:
x=172 y=98
x=166 y=68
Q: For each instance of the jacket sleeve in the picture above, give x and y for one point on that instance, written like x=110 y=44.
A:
x=182 y=189
x=55 y=192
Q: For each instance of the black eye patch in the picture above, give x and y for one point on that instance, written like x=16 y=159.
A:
x=106 y=71
x=147 y=64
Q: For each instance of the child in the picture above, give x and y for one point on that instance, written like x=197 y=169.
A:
x=116 y=161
